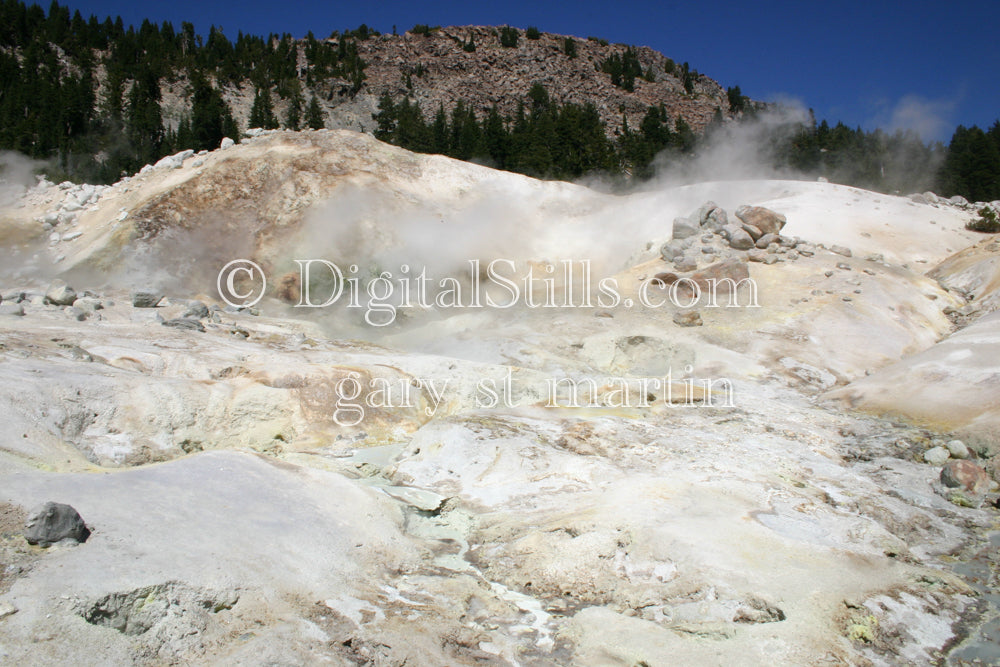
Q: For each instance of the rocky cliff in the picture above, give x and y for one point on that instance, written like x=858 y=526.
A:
x=434 y=69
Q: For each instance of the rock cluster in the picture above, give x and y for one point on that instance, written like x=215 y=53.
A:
x=709 y=233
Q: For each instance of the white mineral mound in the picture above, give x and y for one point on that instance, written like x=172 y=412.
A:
x=242 y=515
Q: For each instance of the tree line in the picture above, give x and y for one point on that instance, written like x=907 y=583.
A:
x=53 y=107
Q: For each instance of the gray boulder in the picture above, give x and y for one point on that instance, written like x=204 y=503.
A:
x=88 y=303
x=78 y=314
x=187 y=323
x=146 y=298
x=767 y=239
x=754 y=233
x=196 y=310
x=54 y=522
x=671 y=251
x=685 y=263
x=683 y=228
x=60 y=294
x=740 y=240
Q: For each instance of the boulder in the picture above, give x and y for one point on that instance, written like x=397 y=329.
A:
x=767 y=239
x=88 y=303
x=60 y=294
x=188 y=323
x=54 y=522
x=965 y=476
x=740 y=240
x=754 y=232
x=937 y=456
x=683 y=228
x=716 y=219
x=764 y=219
x=78 y=314
x=668 y=251
x=700 y=217
x=226 y=143
x=175 y=161
x=957 y=449
x=196 y=310
x=146 y=298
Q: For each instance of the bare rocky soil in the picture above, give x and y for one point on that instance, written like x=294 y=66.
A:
x=754 y=485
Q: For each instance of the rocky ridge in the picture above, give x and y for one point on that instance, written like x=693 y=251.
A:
x=434 y=70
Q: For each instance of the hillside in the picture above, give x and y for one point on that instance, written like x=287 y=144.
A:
x=100 y=99
x=435 y=70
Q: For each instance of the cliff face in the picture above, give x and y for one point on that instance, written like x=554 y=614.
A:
x=434 y=69
x=440 y=71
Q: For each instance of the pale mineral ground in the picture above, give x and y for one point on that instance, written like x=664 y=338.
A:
x=756 y=489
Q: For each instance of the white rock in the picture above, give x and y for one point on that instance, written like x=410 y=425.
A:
x=226 y=143
x=71 y=236
x=175 y=161
x=957 y=449
x=936 y=456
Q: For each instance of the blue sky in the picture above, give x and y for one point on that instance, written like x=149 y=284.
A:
x=925 y=65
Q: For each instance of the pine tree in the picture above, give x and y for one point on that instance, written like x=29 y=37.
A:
x=211 y=118
x=314 y=115
x=293 y=117
x=509 y=36
x=440 y=132
x=385 y=119
x=145 y=123
x=262 y=111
